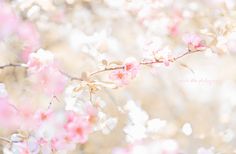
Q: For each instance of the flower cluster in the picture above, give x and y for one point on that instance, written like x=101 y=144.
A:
x=129 y=70
x=194 y=42
x=51 y=132
x=25 y=31
x=45 y=73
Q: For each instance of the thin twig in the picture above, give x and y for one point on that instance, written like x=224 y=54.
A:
x=106 y=69
x=13 y=65
x=70 y=77
x=14 y=107
x=5 y=139
x=90 y=96
x=150 y=62
x=143 y=63
x=186 y=53
x=51 y=101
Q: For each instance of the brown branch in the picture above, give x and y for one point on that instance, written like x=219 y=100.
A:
x=106 y=69
x=186 y=53
x=70 y=77
x=150 y=62
x=13 y=65
x=52 y=100
x=171 y=60
x=25 y=66
x=144 y=63
x=5 y=139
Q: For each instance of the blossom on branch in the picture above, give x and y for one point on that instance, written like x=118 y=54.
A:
x=131 y=67
x=78 y=127
x=194 y=42
x=121 y=77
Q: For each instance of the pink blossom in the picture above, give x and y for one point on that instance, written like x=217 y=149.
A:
x=130 y=71
x=9 y=21
x=39 y=60
x=44 y=72
x=165 y=56
x=121 y=77
x=71 y=116
x=50 y=80
x=131 y=66
x=62 y=142
x=42 y=141
x=176 y=19
x=194 y=42
x=92 y=113
x=28 y=33
x=27 y=121
x=174 y=29
x=20 y=148
x=9 y=111
x=78 y=127
x=42 y=116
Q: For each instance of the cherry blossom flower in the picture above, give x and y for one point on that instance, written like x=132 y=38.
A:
x=20 y=148
x=78 y=127
x=121 y=77
x=174 y=29
x=41 y=116
x=28 y=33
x=130 y=71
x=25 y=31
x=24 y=146
x=9 y=21
x=26 y=117
x=194 y=42
x=9 y=111
x=92 y=113
x=175 y=25
x=39 y=60
x=44 y=72
x=50 y=80
x=165 y=56
x=33 y=145
x=62 y=142
x=131 y=66
x=42 y=141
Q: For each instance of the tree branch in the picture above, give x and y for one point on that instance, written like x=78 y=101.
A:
x=13 y=65
x=143 y=63
x=5 y=139
x=106 y=69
